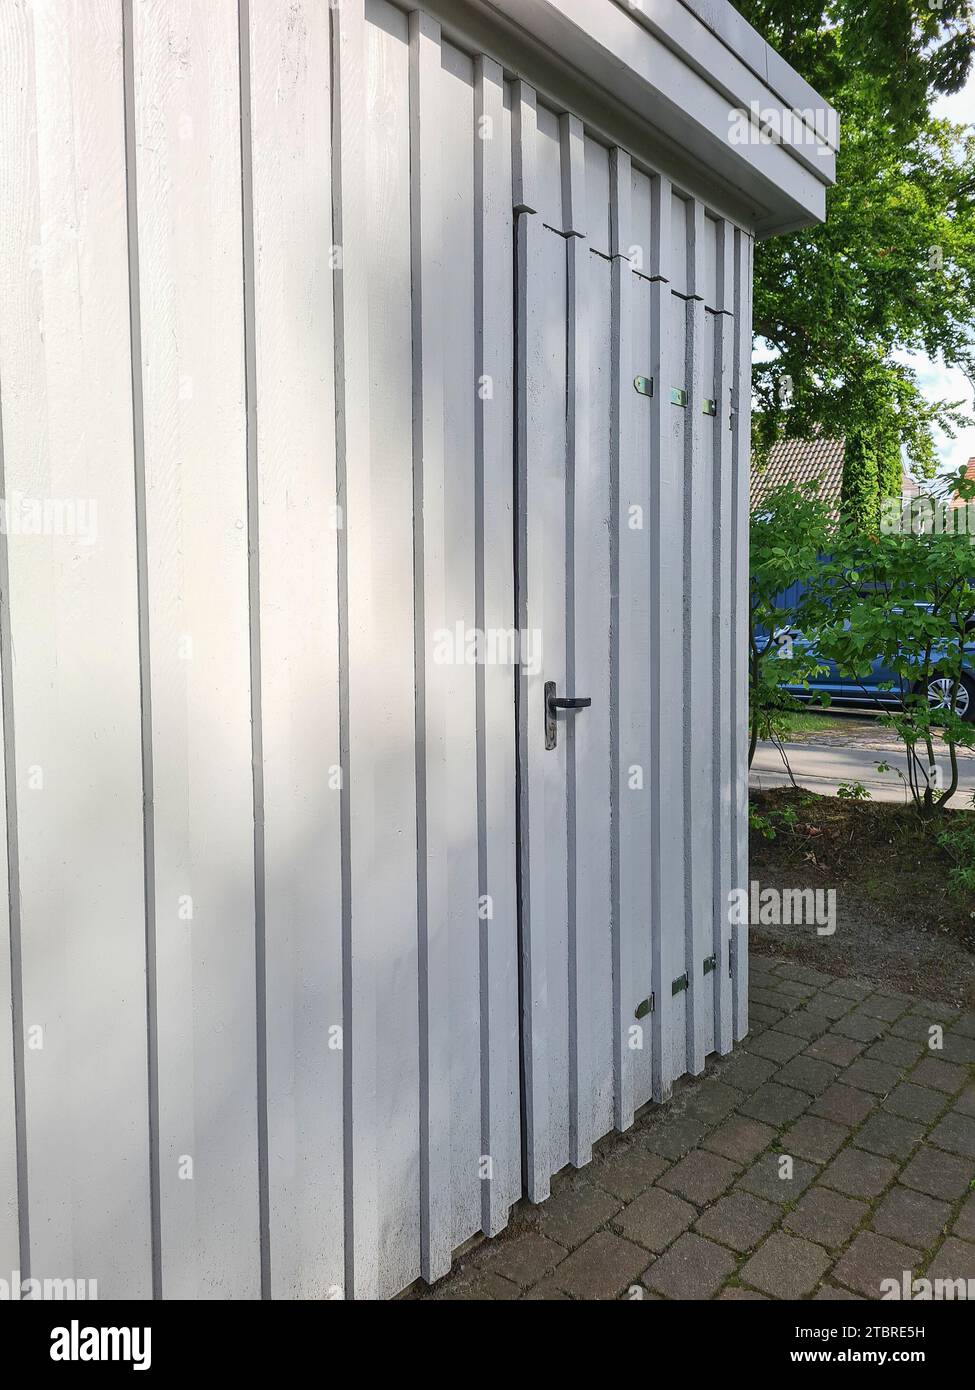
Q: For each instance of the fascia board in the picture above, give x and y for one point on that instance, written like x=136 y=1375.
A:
x=768 y=65
x=613 y=48
x=743 y=82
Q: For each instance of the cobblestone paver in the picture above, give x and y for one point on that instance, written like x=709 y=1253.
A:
x=833 y=1150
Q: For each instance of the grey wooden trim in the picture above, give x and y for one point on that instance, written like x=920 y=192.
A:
x=698 y=672
x=573 y=176
x=739 y=607
x=430 y=616
x=666 y=619
x=350 y=213
x=524 y=154
x=493 y=260
x=529 y=232
x=620 y=433
x=577 y=464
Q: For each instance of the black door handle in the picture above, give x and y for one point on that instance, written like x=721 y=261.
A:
x=555 y=702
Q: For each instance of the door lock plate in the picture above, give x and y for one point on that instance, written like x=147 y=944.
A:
x=553 y=703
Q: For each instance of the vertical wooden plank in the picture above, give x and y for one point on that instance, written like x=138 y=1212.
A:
x=142 y=586
x=741 y=449
x=464 y=1064
x=494 y=502
x=189 y=155
x=434 y=810
x=575 y=203
x=636 y=696
x=596 y=796
x=528 y=241
x=17 y=180
x=621 y=178
x=73 y=625
x=254 y=607
x=549 y=182
x=626 y=980
x=711 y=287
x=524 y=141
x=666 y=650
x=641 y=251
x=681 y=232
x=362 y=699
x=385 y=923
x=679 y=723
x=587 y=824
x=533 y=250
x=699 y=674
x=547 y=624
x=597 y=211
x=696 y=259
x=290 y=99
x=10 y=1195
x=724 y=629
x=708 y=955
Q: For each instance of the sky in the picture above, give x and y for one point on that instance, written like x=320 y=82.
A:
x=938 y=382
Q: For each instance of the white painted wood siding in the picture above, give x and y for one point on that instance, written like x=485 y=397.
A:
x=305 y=938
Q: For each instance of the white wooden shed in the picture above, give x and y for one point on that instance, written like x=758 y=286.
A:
x=368 y=378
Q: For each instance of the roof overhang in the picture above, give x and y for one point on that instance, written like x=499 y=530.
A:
x=686 y=85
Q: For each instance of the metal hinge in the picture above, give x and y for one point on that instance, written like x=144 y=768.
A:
x=678 y=396
x=710 y=407
x=679 y=984
x=643 y=384
x=710 y=964
x=646 y=1007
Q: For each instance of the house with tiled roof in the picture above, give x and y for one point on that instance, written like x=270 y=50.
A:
x=799 y=461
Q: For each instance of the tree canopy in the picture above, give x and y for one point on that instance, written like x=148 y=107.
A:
x=892 y=270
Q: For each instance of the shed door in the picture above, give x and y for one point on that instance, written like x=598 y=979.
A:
x=564 y=504
x=624 y=539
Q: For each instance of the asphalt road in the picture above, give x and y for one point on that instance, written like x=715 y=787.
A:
x=822 y=768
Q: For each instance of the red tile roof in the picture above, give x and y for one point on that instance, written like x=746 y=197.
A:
x=797 y=461
x=970 y=477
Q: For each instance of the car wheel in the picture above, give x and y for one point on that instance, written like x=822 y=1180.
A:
x=939 y=695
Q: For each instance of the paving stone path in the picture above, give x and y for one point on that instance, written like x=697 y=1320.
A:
x=695 y=1200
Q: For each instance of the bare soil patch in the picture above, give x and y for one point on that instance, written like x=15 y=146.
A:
x=898 y=919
